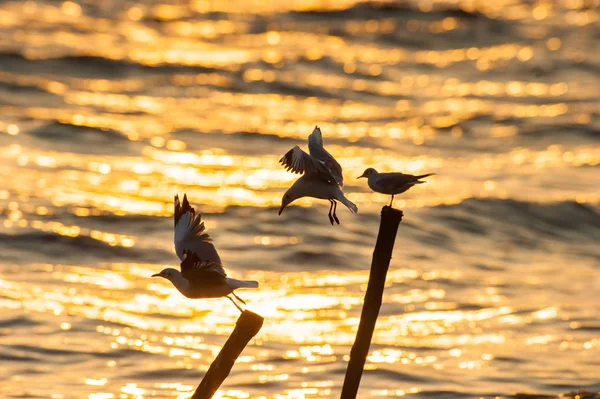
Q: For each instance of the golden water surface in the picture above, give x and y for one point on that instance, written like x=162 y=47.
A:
x=108 y=109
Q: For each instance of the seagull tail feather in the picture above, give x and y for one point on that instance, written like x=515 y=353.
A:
x=425 y=175
x=351 y=205
x=242 y=283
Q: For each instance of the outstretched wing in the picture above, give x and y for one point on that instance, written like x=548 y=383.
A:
x=199 y=271
x=298 y=161
x=190 y=233
x=316 y=149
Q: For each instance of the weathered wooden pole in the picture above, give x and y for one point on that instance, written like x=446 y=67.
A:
x=390 y=220
x=246 y=327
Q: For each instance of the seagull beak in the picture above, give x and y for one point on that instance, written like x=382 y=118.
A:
x=156 y=275
x=363 y=175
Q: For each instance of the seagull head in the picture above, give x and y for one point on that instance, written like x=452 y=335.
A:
x=368 y=172
x=285 y=201
x=167 y=273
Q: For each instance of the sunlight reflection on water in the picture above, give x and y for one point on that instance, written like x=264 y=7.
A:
x=108 y=110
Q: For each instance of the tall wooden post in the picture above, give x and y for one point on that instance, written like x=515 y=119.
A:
x=390 y=220
x=246 y=327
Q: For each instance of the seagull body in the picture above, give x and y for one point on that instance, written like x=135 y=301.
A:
x=306 y=186
x=321 y=176
x=391 y=183
x=202 y=274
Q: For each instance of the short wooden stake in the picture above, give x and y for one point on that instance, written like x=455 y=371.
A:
x=246 y=327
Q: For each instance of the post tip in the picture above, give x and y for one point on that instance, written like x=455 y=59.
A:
x=388 y=211
x=251 y=319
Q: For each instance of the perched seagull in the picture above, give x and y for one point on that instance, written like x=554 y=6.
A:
x=321 y=176
x=391 y=183
x=202 y=274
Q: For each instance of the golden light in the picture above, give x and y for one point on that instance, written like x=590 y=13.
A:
x=137 y=104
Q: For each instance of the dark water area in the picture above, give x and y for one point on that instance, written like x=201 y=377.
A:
x=108 y=109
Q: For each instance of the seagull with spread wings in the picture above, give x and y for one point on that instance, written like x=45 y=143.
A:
x=391 y=183
x=321 y=176
x=202 y=274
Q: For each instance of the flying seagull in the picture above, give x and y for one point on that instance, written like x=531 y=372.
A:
x=321 y=176
x=202 y=274
x=391 y=183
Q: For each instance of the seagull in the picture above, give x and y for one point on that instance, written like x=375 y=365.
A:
x=391 y=183
x=202 y=274
x=321 y=176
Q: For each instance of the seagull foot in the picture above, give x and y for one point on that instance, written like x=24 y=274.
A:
x=336 y=219
x=238 y=298
x=236 y=305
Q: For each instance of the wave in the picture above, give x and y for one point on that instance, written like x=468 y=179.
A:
x=163 y=373
x=562 y=131
x=40 y=246
x=66 y=137
x=364 y=11
x=242 y=143
x=68 y=132
x=400 y=376
x=19 y=321
x=369 y=10
x=17 y=358
x=14 y=88
x=40 y=350
x=577 y=393
x=90 y=66
x=446 y=394
x=568 y=220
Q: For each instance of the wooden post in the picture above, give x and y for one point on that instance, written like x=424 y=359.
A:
x=390 y=220
x=246 y=327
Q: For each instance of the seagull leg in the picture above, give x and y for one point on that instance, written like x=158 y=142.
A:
x=236 y=305
x=392 y=200
x=238 y=298
x=330 y=217
x=334 y=209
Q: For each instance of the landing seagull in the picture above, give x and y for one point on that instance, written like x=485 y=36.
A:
x=202 y=274
x=321 y=176
x=391 y=183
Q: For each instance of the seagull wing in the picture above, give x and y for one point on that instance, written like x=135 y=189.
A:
x=190 y=233
x=298 y=161
x=396 y=179
x=201 y=272
x=316 y=149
